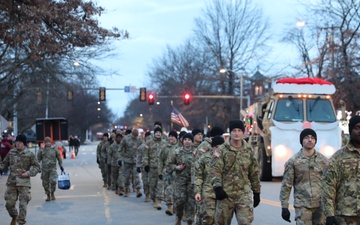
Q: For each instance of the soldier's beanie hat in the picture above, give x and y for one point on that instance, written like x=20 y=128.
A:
x=217 y=140
x=106 y=135
x=188 y=135
x=173 y=133
x=236 y=124
x=182 y=134
x=216 y=131
x=353 y=121
x=307 y=132
x=157 y=129
x=47 y=139
x=148 y=133
x=21 y=138
x=158 y=123
x=196 y=131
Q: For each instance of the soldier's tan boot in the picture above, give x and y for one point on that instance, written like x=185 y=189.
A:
x=138 y=193
x=13 y=220
x=178 y=221
x=147 y=198
x=47 y=197
x=105 y=185
x=169 y=210
x=117 y=192
x=157 y=204
x=183 y=218
x=53 y=196
x=126 y=194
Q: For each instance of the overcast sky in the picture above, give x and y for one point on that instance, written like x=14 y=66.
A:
x=154 y=24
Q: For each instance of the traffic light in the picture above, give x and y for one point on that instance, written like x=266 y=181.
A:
x=102 y=94
x=151 y=99
x=186 y=98
x=142 y=96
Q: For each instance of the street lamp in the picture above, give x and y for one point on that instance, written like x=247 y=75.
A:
x=223 y=70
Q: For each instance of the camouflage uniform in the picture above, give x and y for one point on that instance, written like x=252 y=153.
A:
x=203 y=148
x=151 y=159
x=202 y=186
x=341 y=186
x=305 y=174
x=144 y=174
x=184 y=197
x=237 y=171
x=107 y=162
x=47 y=157
x=166 y=183
x=19 y=161
x=128 y=153
x=101 y=158
x=116 y=175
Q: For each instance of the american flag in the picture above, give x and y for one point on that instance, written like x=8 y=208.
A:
x=177 y=118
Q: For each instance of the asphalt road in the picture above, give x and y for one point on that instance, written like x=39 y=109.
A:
x=88 y=203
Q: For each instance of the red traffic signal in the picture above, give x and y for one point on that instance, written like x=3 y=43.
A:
x=151 y=99
x=187 y=98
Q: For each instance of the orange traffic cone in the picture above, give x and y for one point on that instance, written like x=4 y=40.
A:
x=72 y=153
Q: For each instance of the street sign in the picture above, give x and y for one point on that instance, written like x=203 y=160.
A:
x=132 y=88
x=127 y=88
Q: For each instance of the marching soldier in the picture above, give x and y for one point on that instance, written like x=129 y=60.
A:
x=140 y=168
x=204 y=192
x=150 y=162
x=23 y=165
x=101 y=156
x=304 y=171
x=114 y=152
x=165 y=179
x=341 y=186
x=236 y=178
x=181 y=163
x=48 y=156
x=128 y=152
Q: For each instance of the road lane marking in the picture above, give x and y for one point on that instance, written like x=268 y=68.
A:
x=106 y=206
x=273 y=203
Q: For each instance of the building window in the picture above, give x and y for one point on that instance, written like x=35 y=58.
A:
x=258 y=90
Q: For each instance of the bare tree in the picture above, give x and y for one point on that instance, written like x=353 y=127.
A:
x=338 y=23
x=235 y=33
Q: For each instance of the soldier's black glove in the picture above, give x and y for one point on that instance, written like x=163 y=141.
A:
x=331 y=221
x=256 y=199
x=285 y=214
x=160 y=176
x=147 y=168
x=138 y=169
x=97 y=161
x=119 y=162
x=62 y=169
x=220 y=193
